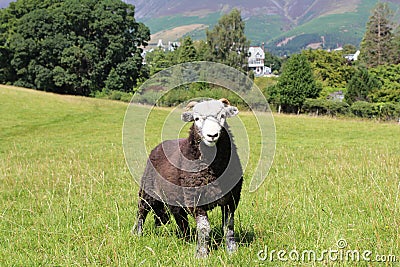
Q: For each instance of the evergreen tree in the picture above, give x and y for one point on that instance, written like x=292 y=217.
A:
x=272 y=61
x=377 y=47
x=296 y=84
x=186 y=52
x=360 y=86
x=158 y=60
x=396 y=45
x=349 y=49
x=227 y=41
x=203 y=51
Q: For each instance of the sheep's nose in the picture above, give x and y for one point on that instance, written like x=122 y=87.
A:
x=213 y=135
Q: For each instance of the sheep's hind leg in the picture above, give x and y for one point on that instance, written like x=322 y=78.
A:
x=203 y=235
x=161 y=215
x=228 y=227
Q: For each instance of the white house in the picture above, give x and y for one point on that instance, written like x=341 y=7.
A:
x=256 y=61
x=172 y=46
x=353 y=57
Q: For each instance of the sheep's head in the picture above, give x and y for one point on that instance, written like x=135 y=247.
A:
x=209 y=118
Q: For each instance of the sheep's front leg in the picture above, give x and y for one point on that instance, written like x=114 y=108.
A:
x=203 y=235
x=143 y=210
x=228 y=227
x=145 y=204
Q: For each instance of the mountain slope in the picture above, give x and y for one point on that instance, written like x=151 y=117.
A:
x=305 y=22
x=293 y=10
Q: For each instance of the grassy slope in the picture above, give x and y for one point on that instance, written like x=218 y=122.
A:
x=67 y=197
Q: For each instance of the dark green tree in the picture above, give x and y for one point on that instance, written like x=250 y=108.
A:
x=272 y=61
x=227 y=42
x=158 y=60
x=349 y=49
x=203 y=51
x=377 y=46
x=296 y=84
x=75 y=47
x=186 y=52
x=396 y=45
x=389 y=77
x=360 y=86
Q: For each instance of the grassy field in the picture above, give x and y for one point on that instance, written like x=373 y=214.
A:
x=67 y=197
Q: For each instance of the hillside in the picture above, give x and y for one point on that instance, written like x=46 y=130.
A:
x=285 y=26
x=305 y=22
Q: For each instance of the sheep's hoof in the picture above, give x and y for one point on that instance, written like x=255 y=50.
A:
x=137 y=230
x=231 y=246
x=202 y=252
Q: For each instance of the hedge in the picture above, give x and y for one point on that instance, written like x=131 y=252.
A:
x=325 y=107
x=381 y=111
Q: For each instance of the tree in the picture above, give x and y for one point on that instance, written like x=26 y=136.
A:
x=329 y=68
x=360 y=86
x=389 y=77
x=203 y=51
x=349 y=49
x=74 y=47
x=272 y=61
x=186 y=52
x=296 y=84
x=396 y=45
x=227 y=41
x=377 y=46
x=158 y=60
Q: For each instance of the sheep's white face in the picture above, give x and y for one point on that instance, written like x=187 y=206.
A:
x=209 y=118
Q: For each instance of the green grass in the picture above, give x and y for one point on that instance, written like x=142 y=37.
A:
x=67 y=197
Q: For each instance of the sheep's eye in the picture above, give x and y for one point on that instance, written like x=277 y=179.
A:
x=222 y=116
x=197 y=119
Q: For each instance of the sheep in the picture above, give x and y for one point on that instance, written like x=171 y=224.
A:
x=194 y=175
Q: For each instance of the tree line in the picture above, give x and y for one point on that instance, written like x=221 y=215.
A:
x=95 y=48
x=71 y=47
x=315 y=81
x=322 y=82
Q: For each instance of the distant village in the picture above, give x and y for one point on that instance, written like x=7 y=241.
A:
x=256 y=59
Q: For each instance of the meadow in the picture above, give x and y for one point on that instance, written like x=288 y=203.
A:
x=68 y=198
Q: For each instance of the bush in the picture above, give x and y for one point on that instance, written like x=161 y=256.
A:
x=149 y=97
x=183 y=93
x=381 y=111
x=388 y=111
x=364 y=109
x=325 y=107
x=335 y=108
x=315 y=106
x=113 y=95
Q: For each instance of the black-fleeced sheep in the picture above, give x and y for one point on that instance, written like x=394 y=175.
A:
x=194 y=175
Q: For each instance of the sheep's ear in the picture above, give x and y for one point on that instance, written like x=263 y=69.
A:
x=225 y=102
x=231 y=111
x=187 y=116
